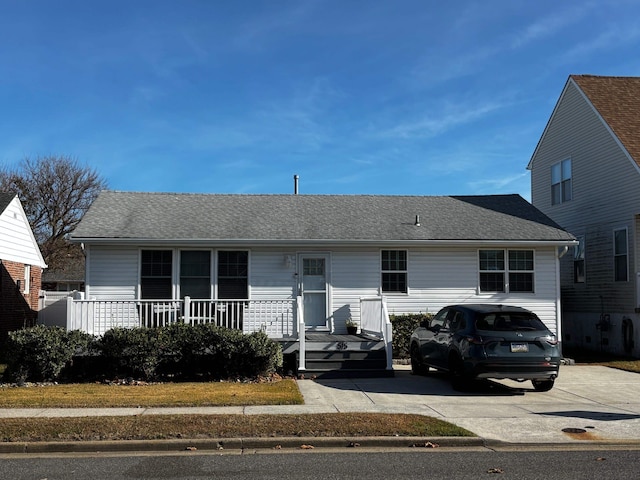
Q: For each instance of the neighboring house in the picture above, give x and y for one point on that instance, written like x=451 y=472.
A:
x=21 y=266
x=291 y=263
x=585 y=174
x=67 y=278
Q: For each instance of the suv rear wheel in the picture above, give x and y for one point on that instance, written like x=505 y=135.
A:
x=542 y=385
x=460 y=380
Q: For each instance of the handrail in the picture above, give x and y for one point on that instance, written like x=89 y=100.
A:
x=301 y=336
x=374 y=320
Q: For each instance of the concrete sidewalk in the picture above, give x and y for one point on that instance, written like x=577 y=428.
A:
x=598 y=404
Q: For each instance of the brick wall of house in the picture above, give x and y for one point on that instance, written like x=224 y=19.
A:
x=17 y=309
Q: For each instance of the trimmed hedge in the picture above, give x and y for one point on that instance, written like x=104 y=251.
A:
x=403 y=326
x=41 y=353
x=177 y=351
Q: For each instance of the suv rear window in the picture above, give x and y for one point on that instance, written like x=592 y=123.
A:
x=509 y=321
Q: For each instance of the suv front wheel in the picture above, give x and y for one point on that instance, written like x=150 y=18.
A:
x=417 y=367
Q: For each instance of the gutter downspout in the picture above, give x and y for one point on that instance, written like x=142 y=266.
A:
x=559 y=255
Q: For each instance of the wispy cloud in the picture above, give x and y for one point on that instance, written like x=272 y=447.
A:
x=550 y=25
x=614 y=37
x=256 y=33
x=497 y=184
x=433 y=125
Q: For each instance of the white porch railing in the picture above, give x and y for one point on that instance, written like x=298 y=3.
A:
x=374 y=320
x=301 y=338
x=274 y=317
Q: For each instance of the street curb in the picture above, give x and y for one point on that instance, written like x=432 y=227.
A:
x=222 y=444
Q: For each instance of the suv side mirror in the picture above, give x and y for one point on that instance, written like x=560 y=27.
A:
x=425 y=323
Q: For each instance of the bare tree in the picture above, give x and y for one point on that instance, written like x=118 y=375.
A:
x=55 y=192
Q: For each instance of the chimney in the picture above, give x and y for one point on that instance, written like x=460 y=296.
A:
x=295 y=184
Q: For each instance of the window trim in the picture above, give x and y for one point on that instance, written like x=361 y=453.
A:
x=27 y=279
x=506 y=271
x=617 y=255
x=405 y=272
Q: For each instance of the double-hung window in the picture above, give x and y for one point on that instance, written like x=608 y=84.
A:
x=156 y=274
x=394 y=271
x=195 y=274
x=561 y=188
x=620 y=255
x=233 y=268
x=506 y=270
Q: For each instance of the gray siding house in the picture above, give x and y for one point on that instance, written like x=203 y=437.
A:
x=585 y=174
x=299 y=266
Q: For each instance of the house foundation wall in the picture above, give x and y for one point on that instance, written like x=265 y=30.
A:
x=607 y=333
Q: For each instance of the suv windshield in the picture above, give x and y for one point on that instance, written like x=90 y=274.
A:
x=509 y=321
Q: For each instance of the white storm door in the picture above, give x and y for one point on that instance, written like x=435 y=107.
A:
x=314 y=278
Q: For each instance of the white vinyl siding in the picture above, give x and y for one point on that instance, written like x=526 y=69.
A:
x=113 y=274
x=436 y=277
x=17 y=243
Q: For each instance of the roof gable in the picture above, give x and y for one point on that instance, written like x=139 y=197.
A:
x=163 y=217
x=17 y=242
x=616 y=100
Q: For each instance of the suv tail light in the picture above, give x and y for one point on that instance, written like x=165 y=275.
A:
x=550 y=339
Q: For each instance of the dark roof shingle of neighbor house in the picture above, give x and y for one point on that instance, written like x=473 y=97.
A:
x=306 y=218
x=5 y=200
x=617 y=100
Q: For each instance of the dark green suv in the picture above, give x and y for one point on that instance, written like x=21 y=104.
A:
x=487 y=341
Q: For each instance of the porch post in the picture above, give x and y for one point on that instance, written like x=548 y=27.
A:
x=70 y=314
x=187 y=309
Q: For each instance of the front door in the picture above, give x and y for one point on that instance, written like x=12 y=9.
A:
x=314 y=278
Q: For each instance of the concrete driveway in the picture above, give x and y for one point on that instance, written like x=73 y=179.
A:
x=590 y=403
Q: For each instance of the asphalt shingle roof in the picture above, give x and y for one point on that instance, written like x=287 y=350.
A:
x=349 y=218
x=5 y=200
x=617 y=100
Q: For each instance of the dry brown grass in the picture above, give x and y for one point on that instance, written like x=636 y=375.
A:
x=91 y=395
x=148 y=427
x=591 y=357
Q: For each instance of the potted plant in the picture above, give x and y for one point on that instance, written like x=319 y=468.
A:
x=352 y=327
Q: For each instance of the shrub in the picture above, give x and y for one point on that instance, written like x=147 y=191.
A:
x=403 y=326
x=261 y=355
x=41 y=353
x=133 y=351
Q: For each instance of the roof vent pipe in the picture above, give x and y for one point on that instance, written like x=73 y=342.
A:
x=417 y=224
x=295 y=184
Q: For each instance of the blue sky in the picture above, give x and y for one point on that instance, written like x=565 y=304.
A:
x=414 y=97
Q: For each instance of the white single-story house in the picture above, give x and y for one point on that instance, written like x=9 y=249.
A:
x=287 y=264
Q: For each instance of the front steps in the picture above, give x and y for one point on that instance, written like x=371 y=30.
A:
x=340 y=356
